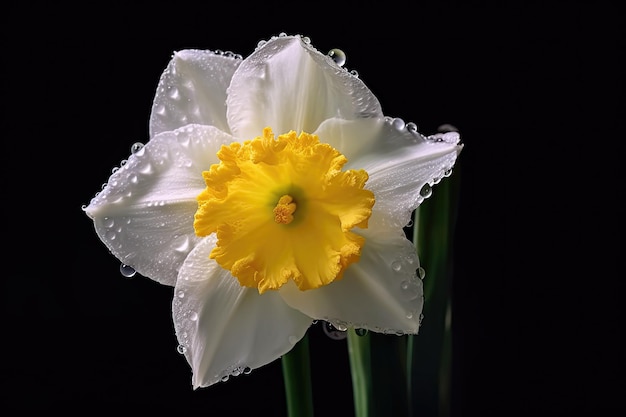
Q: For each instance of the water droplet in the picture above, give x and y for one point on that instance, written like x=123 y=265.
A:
x=396 y=265
x=108 y=222
x=136 y=147
x=181 y=349
x=127 y=271
x=193 y=316
x=398 y=123
x=354 y=73
x=338 y=56
x=160 y=110
x=333 y=332
x=282 y=34
x=411 y=127
x=306 y=39
x=247 y=370
x=360 y=332
x=225 y=378
x=409 y=289
x=146 y=169
x=174 y=93
x=181 y=294
x=426 y=191
x=421 y=273
x=181 y=244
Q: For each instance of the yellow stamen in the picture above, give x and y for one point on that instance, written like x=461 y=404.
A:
x=282 y=210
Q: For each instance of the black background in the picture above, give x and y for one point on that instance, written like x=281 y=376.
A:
x=536 y=90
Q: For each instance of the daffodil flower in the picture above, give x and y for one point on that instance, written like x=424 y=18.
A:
x=272 y=193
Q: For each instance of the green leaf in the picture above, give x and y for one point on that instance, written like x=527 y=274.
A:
x=429 y=352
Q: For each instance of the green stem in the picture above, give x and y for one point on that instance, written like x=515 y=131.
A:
x=360 y=360
x=429 y=353
x=297 y=377
x=389 y=377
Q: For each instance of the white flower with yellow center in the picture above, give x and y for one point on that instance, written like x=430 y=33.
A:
x=272 y=192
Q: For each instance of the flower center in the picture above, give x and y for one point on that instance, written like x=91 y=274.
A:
x=283 y=210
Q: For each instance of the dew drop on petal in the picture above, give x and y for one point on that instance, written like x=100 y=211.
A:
x=396 y=265
x=160 y=110
x=421 y=273
x=247 y=370
x=181 y=349
x=193 y=316
x=360 y=332
x=410 y=289
x=181 y=294
x=338 y=56
x=426 y=191
x=127 y=271
x=136 y=147
x=333 y=332
x=181 y=244
x=174 y=93
x=398 y=123
x=225 y=378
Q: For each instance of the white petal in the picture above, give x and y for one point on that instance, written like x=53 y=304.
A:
x=145 y=213
x=288 y=85
x=399 y=163
x=380 y=292
x=353 y=138
x=224 y=328
x=192 y=89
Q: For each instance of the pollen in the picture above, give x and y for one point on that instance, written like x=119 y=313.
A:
x=283 y=209
x=283 y=212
